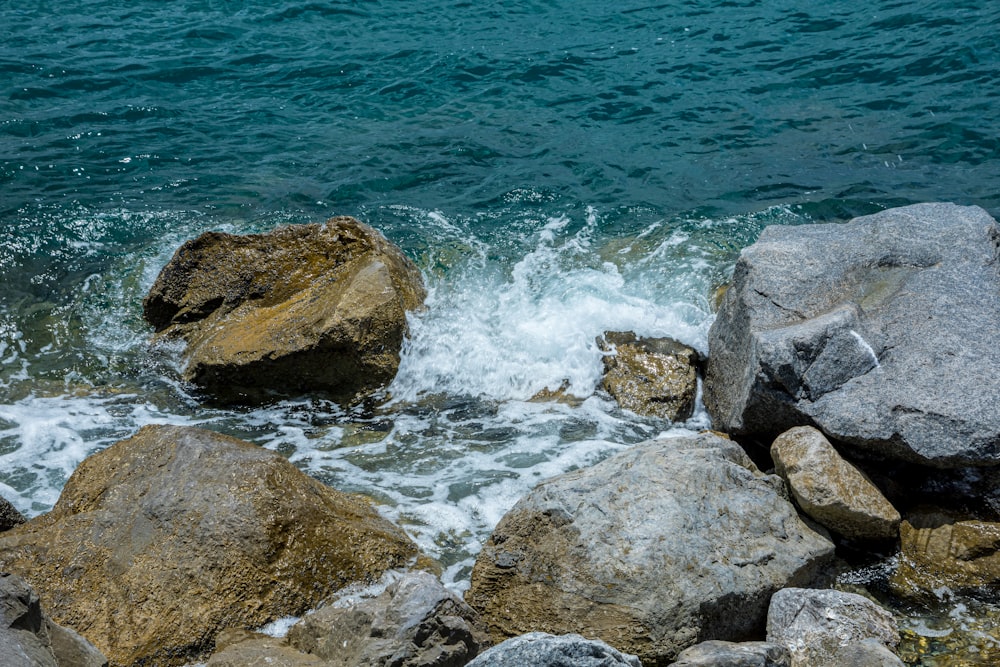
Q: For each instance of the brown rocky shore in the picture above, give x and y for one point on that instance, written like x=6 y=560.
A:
x=850 y=378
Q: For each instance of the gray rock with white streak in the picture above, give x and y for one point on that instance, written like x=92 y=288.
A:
x=539 y=649
x=878 y=331
x=821 y=627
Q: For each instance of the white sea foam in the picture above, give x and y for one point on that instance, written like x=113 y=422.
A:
x=460 y=441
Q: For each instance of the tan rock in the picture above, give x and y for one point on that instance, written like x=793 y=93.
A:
x=161 y=541
x=655 y=377
x=937 y=550
x=239 y=648
x=303 y=308
x=831 y=490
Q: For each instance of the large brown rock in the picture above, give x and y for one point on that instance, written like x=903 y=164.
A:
x=303 y=308
x=663 y=545
x=831 y=490
x=162 y=540
x=655 y=377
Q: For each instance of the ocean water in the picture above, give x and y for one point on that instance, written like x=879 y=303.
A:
x=555 y=170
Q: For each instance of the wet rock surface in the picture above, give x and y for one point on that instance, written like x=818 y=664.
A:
x=9 y=516
x=540 y=649
x=162 y=540
x=303 y=308
x=654 y=377
x=877 y=331
x=831 y=490
x=29 y=638
x=821 y=628
x=580 y=554
x=939 y=551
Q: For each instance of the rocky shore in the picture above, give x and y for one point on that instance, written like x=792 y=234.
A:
x=850 y=379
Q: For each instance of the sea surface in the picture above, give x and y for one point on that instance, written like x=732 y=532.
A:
x=555 y=169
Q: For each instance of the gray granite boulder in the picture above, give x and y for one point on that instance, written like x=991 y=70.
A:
x=539 y=649
x=821 y=627
x=715 y=653
x=831 y=490
x=879 y=331
x=416 y=622
x=29 y=638
x=665 y=544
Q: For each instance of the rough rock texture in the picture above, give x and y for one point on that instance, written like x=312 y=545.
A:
x=816 y=625
x=303 y=308
x=666 y=544
x=716 y=653
x=239 y=648
x=937 y=550
x=29 y=638
x=878 y=331
x=831 y=490
x=539 y=649
x=656 y=377
x=162 y=540
x=9 y=516
x=416 y=622
x=867 y=653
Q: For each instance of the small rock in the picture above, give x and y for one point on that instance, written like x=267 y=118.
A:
x=538 y=649
x=29 y=638
x=831 y=490
x=304 y=308
x=161 y=541
x=816 y=625
x=655 y=377
x=732 y=654
x=936 y=551
x=416 y=622
x=9 y=516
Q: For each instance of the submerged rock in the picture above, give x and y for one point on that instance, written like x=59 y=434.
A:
x=539 y=649
x=654 y=377
x=831 y=490
x=715 y=653
x=878 y=331
x=303 y=308
x=937 y=551
x=821 y=628
x=416 y=622
x=162 y=540
x=29 y=638
x=597 y=551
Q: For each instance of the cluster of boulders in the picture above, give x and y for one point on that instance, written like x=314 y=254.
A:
x=845 y=358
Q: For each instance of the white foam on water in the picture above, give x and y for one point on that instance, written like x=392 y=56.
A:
x=460 y=441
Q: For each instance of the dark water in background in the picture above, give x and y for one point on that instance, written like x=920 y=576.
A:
x=556 y=169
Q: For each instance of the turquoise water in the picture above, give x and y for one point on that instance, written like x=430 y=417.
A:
x=555 y=169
